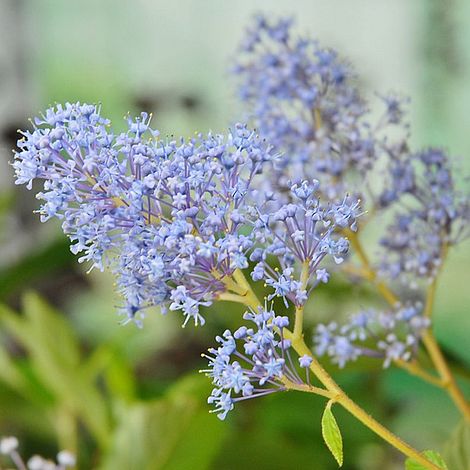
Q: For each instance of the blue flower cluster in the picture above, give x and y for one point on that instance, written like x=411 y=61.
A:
x=304 y=99
x=432 y=215
x=388 y=335
x=178 y=220
x=174 y=219
x=299 y=233
x=262 y=366
x=165 y=215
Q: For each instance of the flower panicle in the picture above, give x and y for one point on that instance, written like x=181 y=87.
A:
x=165 y=216
x=304 y=98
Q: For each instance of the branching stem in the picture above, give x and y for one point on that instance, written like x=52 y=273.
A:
x=332 y=390
x=446 y=380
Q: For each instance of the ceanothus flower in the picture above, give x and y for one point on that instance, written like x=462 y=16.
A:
x=388 y=335
x=300 y=233
x=166 y=216
x=305 y=100
x=432 y=215
x=252 y=362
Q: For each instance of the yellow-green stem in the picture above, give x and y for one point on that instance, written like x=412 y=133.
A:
x=341 y=398
x=414 y=368
x=334 y=392
x=317 y=119
x=368 y=272
x=241 y=290
x=307 y=388
x=232 y=297
x=299 y=310
x=447 y=380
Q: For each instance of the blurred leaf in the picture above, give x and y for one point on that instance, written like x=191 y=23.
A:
x=52 y=330
x=332 y=434
x=173 y=432
x=120 y=379
x=457 y=449
x=35 y=265
x=424 y=416
x=10 y=372
x=6 y=202
x=55 y=361
x=432 y=456
x=15 y=325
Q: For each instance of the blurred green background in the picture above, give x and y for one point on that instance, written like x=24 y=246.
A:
x=123 y=398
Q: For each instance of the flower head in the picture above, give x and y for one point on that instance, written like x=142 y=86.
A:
x=164 y=215
x=251 y=362
x=436 y=215
x=304 y=99
x=301 y=233
x=388 y=335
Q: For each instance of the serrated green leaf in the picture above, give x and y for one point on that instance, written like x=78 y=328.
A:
x=457 y=449
x=332 y=434
x=432 y=456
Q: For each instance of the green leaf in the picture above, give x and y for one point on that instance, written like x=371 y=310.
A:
x=120 y=378
x=10 y=372
x=36 y=265
x=332 y=434
x=170 y=433
x=52 y=330
x=457 y=449
x=432 y=456
x=55 y=361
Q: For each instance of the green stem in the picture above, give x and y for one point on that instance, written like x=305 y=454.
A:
x=368 y=272
x=307 y=388
x=333 y=390
x=341 y=398
x=446 y=380
x=299 y=310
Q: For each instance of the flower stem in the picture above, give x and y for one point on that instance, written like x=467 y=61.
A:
x=446 y=380
x=333 y=390
x=299 y=310
x=307 y=388
x=368 y=272
x=353 y=408
x=414 y=368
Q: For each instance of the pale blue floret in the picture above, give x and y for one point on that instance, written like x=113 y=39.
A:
x=305 y=361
